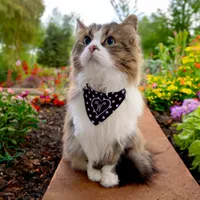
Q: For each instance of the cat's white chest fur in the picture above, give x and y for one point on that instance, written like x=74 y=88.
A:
x=120 y=124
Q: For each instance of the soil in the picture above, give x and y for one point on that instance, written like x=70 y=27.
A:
x=28 y=176
x=165 y=121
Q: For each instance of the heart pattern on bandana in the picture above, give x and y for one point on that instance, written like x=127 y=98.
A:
x=99 y=106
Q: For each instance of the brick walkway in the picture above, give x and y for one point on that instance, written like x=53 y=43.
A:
x=174 y=182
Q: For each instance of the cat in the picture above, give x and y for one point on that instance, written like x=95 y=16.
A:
x=100 y=131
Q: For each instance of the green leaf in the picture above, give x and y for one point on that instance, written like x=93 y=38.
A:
x=14 y=142
x=194 y=149
x=196 y=163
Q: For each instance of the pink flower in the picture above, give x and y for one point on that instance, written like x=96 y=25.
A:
x=154 y=85
x=1 y=89
x=24 y=94
x=42 y=97
x=19 y=97
x=18 y=63
x=10 y=91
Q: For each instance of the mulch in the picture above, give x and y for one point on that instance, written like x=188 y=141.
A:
x=28 y=176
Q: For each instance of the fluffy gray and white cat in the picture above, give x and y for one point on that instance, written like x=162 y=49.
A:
x=108 y=59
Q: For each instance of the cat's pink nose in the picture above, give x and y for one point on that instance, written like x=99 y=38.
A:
x=92 y=48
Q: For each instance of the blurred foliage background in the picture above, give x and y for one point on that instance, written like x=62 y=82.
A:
x=23 y=37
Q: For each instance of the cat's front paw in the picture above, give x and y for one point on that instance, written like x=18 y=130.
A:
x=94 y=175
x=109 y=180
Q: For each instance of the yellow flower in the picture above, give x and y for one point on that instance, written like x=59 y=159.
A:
x=189 y=83
x=172 y=88
x=159 y=95
x=187 y=59
x=186 y=91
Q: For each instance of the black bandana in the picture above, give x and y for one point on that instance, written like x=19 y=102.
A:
x=100 y=106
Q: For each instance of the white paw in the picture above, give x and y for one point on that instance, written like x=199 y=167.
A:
x=109 y=179
x=94 y=175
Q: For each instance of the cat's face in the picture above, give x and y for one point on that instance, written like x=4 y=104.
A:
x=108 y=47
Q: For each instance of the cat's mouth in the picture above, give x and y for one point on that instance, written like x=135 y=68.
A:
x=93 y=58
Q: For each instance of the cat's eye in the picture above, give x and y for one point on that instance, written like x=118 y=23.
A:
x=87 y=40
x=110 y=41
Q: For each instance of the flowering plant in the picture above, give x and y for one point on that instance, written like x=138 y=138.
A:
x=26 y=76
x=17 y=118
x=47 y=99
x=165 y=90
x=189 y=138
x=187 y=107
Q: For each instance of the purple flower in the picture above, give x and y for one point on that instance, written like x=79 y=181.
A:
x=30 y=78
x=187 y=107
x=176 y=112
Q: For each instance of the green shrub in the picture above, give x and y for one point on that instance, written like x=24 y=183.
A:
x=189 y=138
x=17 y=118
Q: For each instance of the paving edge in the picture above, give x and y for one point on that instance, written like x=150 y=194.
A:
x=32 y=91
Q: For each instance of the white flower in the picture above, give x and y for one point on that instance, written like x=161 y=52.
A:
x=13 y=98
x=3 y=98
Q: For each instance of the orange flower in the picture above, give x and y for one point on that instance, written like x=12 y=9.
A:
x=199 y=85
x=35 y=70
x=59 y=76
x=141 y=88
x=19 y=77
x=182 y=82
x=197 y=65
x=57 y=82
x=35 y=106
x=42 y=101
x=63 y=68
x=25 y=67
x=55 y=96
x=47 y=100
x=35 y=100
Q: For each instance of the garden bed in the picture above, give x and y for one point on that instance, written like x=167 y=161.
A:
x=165 y=121
x=28 y=176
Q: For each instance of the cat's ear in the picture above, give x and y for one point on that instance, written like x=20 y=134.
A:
x=131 y=20
x=80 y=25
